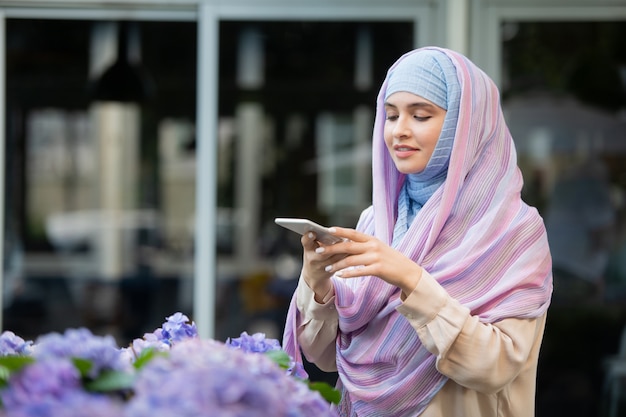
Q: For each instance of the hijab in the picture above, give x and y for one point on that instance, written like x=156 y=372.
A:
x=474 y=235
x=430 y=75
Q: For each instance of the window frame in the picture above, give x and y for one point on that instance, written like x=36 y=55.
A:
x=488 y=16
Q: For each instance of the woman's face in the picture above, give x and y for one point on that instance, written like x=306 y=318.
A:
x=412 y=128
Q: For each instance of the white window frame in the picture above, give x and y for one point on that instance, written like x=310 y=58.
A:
x=488 y=15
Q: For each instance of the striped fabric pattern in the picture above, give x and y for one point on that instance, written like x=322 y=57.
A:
x=475 y=236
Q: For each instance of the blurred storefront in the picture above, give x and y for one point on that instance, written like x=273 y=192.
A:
x=147 y=146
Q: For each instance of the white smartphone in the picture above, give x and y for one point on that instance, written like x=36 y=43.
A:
x=303 y=226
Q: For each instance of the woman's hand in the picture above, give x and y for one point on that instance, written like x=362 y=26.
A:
x=315 y=262
x=368 y=256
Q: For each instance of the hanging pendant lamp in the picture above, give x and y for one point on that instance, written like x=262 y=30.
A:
x=123 y=81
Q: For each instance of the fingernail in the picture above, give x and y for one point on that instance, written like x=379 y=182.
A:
x=310 y=235
x=320 y=250
x=332 y=229
x=339 y=273
x=328 y=268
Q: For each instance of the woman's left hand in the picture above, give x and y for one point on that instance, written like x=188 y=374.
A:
x=369 y=256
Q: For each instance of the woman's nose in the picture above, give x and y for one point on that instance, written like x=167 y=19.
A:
x=401 y=127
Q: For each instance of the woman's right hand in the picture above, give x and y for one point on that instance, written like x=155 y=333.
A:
x=314 y=266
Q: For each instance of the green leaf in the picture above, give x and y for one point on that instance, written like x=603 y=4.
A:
x=10 y=365
x=145 y=356
x=280 y=357
x=5 y=374
x=111 y=381
x=14 y=363
x=83 y=366
x=329 y=393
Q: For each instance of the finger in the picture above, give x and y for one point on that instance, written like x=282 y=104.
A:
x=357 y=261
x=328 y=251
x=308 y=241
x=349 y=234
x=347 y=247
x=327 y=258
x=354 y=272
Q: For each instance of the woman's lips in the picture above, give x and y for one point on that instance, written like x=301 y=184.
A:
x=404 y=151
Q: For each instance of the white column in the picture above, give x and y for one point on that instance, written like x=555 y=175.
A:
x=457 y=25
x=249 y=142
x=250 y=137
x=117 y=133
x=206 y=181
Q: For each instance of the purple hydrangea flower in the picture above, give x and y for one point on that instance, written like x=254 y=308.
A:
x=176 y=329
x=208 y=378
x=52 y=386
x=257 y=343
x=205 y=378
x=253 y=343
x=302 y=402
x=72 y=404
x=149 y=341
x=101 y=351
x=194 y=377
x=297 y=370
x=10 y=344
x=40 y=382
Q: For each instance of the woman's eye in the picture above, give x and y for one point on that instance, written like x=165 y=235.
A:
x=421 y=118
x=392 y=117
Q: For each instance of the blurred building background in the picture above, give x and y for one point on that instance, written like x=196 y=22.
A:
x=147 y=145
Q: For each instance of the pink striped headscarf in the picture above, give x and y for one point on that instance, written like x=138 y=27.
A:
x=474 y=235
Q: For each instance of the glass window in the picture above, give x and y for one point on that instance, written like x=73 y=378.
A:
x=296 y=112
x=564 y=94
x=566 y=110
x=100 y=174
x=101 y=180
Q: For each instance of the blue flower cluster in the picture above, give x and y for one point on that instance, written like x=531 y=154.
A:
x=253 y=343
x=169 y=372
x=101 y=352
x=175 y=329
x=257 y=343
x=208 y=378
x=10 y=344
x=49 y=383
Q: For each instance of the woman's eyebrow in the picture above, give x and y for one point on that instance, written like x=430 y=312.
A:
x=411 y=105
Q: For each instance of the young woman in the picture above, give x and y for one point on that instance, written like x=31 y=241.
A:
x=435 y=304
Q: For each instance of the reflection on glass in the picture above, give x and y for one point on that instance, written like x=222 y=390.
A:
x=102 y=201
x=564 y=93
x=567 y=112
x=296 y=105
x=100 y=198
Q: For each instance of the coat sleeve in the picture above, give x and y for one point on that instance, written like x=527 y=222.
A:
x=317 y=330
x=481 y=356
